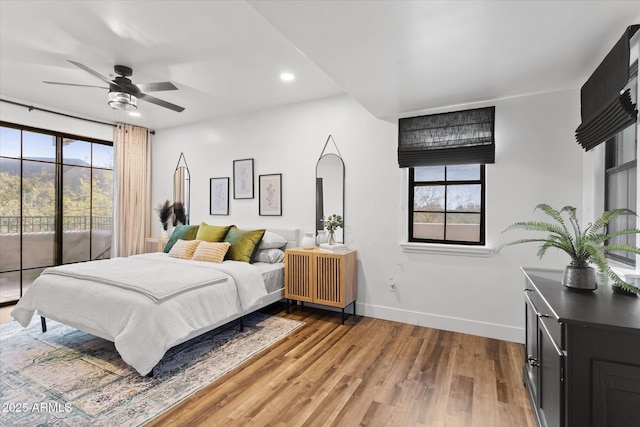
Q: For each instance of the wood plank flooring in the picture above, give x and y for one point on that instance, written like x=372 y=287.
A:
x=369 y=372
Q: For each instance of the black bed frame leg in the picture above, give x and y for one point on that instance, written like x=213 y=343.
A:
x=242 y=324
x=43 y=324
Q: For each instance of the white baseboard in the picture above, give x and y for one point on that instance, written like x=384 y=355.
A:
x=446 y=323
x=483 y=329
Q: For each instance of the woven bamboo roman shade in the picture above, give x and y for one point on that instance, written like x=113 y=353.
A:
x=456 y=138
x=606 y=108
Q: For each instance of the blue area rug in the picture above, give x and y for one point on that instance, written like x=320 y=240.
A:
x=66 y=377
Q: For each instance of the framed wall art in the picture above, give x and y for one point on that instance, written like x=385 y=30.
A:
x=270 y=194
x=219 y=196
x=243 y=179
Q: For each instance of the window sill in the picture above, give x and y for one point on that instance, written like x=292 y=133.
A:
x=626 y=273
x=456 y=250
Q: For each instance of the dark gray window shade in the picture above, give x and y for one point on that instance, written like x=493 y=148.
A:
x=613 y=118
x=456 y=138
x=605 y=108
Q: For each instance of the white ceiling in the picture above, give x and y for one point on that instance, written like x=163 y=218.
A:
x=393 y=57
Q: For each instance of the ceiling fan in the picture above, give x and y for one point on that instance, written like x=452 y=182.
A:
x=123 y=93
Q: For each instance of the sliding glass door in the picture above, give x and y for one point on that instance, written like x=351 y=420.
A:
x=87 y=200
x=56 y=203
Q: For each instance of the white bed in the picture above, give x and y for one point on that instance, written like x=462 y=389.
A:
x=142 y=329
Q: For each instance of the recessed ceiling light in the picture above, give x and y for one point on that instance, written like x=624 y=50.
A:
x=134 y=113
x=287 y=77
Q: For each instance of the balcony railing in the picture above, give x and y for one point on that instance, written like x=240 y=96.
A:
x=38 y=224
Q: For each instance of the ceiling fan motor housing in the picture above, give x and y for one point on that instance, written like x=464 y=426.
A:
x=123 y=84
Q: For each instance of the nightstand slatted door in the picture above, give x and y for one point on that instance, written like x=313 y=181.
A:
x=328 y=287
x=298 y=277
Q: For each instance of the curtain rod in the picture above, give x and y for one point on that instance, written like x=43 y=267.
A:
x=31 y=108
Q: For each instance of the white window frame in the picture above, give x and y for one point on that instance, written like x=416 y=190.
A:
x=594 y=207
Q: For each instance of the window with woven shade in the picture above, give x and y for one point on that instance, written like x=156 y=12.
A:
x=446 y=156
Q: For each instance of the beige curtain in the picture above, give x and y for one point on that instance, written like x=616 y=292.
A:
x=133 y=189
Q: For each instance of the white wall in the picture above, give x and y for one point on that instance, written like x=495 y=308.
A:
x=537 y=160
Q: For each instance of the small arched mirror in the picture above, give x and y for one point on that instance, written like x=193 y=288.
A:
x=181 y=179
x=330 y=174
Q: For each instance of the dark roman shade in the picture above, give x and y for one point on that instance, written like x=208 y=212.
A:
x=606 y=108
x=456 y=138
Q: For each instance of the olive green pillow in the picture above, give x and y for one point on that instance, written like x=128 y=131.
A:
x=181 y=232
x=243 y=243
x=212 y=233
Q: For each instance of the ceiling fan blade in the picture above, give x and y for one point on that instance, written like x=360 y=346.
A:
x=160 y=102
x=95 y=73
x=156 y=87
x=73 y=84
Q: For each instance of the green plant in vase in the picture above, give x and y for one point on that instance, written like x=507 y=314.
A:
x=332 y=223
x=585 y=247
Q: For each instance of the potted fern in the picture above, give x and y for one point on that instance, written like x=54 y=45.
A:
x=583 y=246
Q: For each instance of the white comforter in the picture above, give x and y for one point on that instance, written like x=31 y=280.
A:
x=153 y=277
x=142 y=329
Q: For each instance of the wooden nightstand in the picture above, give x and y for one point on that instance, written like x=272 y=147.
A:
x=321 y=277
x=155 y=244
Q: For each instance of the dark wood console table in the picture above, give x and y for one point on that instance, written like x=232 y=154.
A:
x=582 y=355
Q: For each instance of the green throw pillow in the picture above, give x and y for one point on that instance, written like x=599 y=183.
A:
x=243 y=243
x=212 y=233
x=183 y=232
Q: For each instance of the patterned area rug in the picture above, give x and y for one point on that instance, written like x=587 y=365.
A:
x=66 y=377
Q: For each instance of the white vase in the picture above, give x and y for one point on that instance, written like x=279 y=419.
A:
x=322 y=237
x=308 y=242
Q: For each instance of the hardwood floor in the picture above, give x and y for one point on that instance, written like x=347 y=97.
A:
x=369 y=372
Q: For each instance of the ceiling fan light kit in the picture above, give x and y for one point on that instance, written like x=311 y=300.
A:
x=122 y=101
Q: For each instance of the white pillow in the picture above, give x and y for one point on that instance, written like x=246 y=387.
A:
x=269 y=255
x=272 y=240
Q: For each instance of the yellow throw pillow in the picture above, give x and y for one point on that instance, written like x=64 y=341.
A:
x=243 y=243
x=184 y=249
x=211 y=251
x=212 y=233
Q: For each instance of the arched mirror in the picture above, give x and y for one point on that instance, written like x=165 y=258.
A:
x=330 y=174
x=181 y=193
